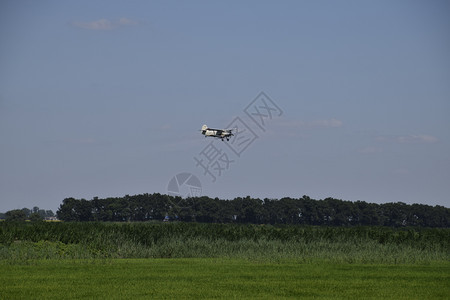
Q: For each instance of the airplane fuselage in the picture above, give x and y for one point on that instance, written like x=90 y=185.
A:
x=218 y=133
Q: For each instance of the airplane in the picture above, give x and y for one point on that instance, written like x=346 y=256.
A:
x=217 y=133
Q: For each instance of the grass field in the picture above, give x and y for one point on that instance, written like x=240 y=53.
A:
x=194 y=261
x=220 y=278
x=20 y=242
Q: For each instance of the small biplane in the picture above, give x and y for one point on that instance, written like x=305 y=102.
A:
x=217 y=133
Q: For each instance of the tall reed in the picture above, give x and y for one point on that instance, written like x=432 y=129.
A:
x=266 y=242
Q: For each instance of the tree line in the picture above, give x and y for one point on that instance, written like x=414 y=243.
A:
x=34 y=214
x=306 y=211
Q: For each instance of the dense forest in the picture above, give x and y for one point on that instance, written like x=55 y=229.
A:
x=304 y=211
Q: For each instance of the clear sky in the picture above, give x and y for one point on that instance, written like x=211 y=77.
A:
x=106 y=98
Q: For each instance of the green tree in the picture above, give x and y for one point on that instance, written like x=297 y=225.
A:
x=49 y=213
x=66 y=211
x=16 y=215
x=35 y=217
x=26 y=211
x=248 y=210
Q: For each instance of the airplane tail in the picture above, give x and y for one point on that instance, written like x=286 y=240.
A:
x=204 y=127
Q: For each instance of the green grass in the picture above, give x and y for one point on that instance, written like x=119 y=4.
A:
x=226 y=261
x=21 y=242
x=220 y=278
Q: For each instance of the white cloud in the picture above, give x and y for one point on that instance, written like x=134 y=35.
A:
x=105 y=24
x=408 y=139
x=424 y=139
x=320 y=123
x=330 y=123
x=125 y=21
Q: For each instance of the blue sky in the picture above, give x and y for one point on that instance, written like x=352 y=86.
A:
x=106 y=98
